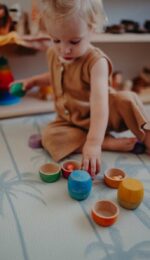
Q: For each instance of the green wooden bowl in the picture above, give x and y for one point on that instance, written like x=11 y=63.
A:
x=50 y=172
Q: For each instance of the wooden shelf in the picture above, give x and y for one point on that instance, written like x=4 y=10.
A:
x=122 y=38
x=12 y=42
x=30 y=104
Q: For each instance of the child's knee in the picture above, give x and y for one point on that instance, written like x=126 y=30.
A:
x=125 y=99
x=45 y=137
x=125 y=95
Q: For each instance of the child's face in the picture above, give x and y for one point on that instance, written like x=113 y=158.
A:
x=70 y=37
x=2 y=12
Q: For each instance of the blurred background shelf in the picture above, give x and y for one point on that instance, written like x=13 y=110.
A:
x=122 y=38
x=27 y=44
x=30 y=104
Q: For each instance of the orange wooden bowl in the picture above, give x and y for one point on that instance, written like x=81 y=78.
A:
x=113 y=177
x=105 y=213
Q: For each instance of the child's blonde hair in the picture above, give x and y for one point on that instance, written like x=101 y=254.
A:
x=90 y=10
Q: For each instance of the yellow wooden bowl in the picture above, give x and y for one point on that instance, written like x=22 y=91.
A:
x=130 y=193
x=113 y=177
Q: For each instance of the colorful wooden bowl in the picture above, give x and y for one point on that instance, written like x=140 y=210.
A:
x=113 y=177
x=17 y=89
x=50 y=172
x=35 y=141
x=130 y=193
x=79 y=184
x=69 y=166
x=105 y=212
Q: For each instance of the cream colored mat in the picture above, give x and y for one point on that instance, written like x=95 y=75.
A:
x=39 y=221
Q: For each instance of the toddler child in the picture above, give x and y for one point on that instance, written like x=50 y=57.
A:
x=87 y=107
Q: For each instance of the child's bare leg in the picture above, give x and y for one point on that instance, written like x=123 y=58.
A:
x=111 y=143
x=118 y=144
x=147 y=141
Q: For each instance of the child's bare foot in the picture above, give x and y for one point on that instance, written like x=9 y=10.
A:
x=147 y=141
x=119 y=144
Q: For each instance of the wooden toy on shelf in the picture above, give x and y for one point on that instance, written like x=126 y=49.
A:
x=20 y=19
x=6 y=78
x=141 y=81
x=37 y=24
x=46 y=93
x=117 y=80
x=5 y=20
x=141 y=84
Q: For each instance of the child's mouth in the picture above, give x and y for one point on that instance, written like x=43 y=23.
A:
x=67 y=58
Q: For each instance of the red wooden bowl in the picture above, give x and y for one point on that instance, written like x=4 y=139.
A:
x=69 y=166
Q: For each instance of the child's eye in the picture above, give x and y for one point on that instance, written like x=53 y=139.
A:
x=56 y=41
x=75 y=42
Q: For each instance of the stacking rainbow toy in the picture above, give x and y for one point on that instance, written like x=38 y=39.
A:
x=6 y=77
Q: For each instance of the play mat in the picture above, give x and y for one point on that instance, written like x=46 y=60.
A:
x=41 y=221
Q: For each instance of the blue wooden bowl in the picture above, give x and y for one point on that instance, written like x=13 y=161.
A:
x=79 y=184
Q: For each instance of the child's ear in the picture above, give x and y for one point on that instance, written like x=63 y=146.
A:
x=91 y=30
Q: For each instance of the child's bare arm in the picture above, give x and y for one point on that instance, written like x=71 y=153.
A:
x=38 y=80
x=98 y=116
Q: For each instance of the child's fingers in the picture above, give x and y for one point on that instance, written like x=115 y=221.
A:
x=14 y=82
x=85 y=164
x=92 y=168
x=98 y=166
x=10 y=85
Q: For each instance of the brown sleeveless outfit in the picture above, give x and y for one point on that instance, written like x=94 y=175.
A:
x=71 y=84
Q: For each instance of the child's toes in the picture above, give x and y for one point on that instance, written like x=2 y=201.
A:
x=131 y=143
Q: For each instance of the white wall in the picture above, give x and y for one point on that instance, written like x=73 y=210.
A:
x=116 y=9
x=28 y=65
x=26 y=4
x=127 y=57
x=138 y=10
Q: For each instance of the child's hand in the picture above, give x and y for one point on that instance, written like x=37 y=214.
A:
x=27 y=83
x=91 y=160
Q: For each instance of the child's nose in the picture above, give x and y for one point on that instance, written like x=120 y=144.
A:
x=66 y=49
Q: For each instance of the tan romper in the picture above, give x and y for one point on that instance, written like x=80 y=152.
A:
x=71 y=84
